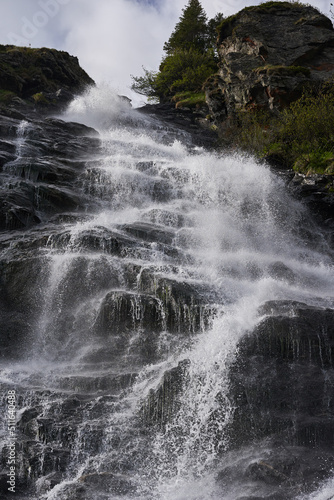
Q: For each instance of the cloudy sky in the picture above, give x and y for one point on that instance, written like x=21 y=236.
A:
x=112 y=38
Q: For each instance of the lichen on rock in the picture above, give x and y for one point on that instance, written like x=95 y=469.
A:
x=268 y=55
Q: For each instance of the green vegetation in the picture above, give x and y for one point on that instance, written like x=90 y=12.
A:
x=40 y=98
x=190 y=33
x=145 y=85
x=227 y=25
x=307 y=132
x=301 y=137
x=190 y=57
x=184 y=70
x=6 y=96
x=189 y=99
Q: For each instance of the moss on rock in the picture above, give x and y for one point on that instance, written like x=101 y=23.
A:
x=28 y=72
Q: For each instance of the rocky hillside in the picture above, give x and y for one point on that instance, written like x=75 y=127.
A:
x=268 y=55
x=42 y=77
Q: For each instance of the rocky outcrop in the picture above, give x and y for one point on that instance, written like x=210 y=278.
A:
x=317 y=192
x=190 y=121
x=39 y=77
x=281 y=388
x=268 y=55
x=290 y=359
x=44 y=184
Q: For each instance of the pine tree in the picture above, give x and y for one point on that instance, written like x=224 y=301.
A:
x=191 y=32
x=190 y=57
x=212 y=30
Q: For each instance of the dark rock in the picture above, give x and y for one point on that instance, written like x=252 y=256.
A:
x=183 y=305
x=72 y=128
x=173 y=307
x=46 y=77
x=74 y=491
x=191 y=122
x=280 y=271
x=283 y=473
x=20 y=299
x=268 y=55
x=290 y=359
x=49 y=481
x=126 y=311
x=28 y=415
x=149 y=232
x=38 y=174
x=162 y=405
x=317 y=192
x=117 y=484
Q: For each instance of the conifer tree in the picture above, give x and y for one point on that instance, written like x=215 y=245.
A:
x=191 y=32
x=190 y=56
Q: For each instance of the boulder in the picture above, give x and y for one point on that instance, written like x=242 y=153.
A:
x=268 y=54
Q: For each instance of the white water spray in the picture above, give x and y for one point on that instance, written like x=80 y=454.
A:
x=168 y=216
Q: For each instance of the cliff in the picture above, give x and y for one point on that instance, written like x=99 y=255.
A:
x=271 y=56
x=268 y=55
x=42 y=77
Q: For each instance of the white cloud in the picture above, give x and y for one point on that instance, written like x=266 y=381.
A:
x=111 y=38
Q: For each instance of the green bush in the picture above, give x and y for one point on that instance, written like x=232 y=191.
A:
x=301 y=137
x=189 y=99
x=315 y=162
x=307 y=127
x=191 y=57
x=145 y=85
x=184 y=70
x=256 y=131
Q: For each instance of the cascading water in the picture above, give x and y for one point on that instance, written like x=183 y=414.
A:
x=143 y=302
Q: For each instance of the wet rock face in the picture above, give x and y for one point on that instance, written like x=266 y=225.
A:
x=317 y=192
x=290 y=357
x=162 y=405
x=40 y=167
x=286 y=473
x=192 y=122
x=268 y=54
x=282 y=387
x=43 y=160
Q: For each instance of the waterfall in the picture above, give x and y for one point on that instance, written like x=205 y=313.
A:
x=141 y=297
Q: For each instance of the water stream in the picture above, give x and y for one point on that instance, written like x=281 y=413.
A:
x=150 y=290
